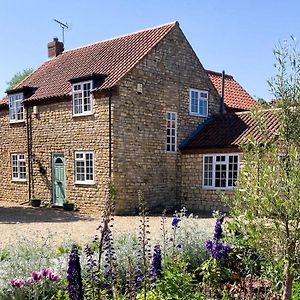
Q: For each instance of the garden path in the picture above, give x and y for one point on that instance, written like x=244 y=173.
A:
x=22 y=222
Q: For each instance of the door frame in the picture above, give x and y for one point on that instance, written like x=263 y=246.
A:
x=53 y=156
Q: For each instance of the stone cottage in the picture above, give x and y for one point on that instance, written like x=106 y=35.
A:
x=114 y=110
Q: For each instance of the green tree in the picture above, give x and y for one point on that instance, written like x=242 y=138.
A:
x=18 y=77
x=267 y=196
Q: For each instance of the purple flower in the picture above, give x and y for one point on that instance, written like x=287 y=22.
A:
x=75 y=288
x=179 y=246
x=218 y=230
x=36 y=275
x=175 y=222
x=215 y=247
x=156 y=263
x=53 y=276
x=45 y=272
x=29 y=281
x=209 y=245
x=17 y=283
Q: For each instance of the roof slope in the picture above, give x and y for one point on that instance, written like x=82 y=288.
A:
x=114 y=58
x=235 y=97
x=233 y=130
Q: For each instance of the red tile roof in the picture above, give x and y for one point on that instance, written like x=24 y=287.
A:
x=114 y=58
x=232 y=130
x=235 y=97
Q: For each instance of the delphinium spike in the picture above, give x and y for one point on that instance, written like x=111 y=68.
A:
x=145 y=247
x=75 y=287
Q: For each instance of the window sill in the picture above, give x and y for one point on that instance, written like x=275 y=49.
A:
x=18 y=180
x=16 y=122
x=171 y=152
x=198 y=115
x=83 y=115
x=217 y=188
x=84 y=183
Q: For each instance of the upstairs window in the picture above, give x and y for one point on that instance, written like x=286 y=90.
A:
x=220 y=171
x=84 y=167
x=18 y=167
x=82 y=98
x=198 y=103
x=16 y=108
x=171 y=143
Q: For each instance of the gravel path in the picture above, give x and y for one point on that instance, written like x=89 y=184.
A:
x=23 y=222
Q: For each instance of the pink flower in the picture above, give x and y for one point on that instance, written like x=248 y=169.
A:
x=17 y=283
x=36 y=276
x=53 y=276
x=45 y=272
x=29 y=281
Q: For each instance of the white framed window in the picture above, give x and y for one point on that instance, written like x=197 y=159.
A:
x=82 y=98
x=84 y=167
x=16 y=108
x=199 y=102
x=18 y=164
x=171 y=138
x=220 y=171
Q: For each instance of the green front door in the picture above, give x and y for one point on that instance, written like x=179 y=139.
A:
x=58 y=179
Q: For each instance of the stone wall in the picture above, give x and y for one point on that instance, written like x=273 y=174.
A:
x=194 y=197
x=55 y=130
x=13 y=140
x=139 y=137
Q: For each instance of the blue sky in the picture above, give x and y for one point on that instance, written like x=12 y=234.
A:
x=237 y=36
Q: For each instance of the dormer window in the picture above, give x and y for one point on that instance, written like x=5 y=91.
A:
x=82 y=98
x=16 y=108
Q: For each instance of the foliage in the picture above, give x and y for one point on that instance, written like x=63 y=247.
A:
x=175 y=282
x=266 y=202
x=18 y=77
x=31 y=270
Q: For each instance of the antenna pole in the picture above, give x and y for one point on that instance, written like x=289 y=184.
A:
x=63 y=27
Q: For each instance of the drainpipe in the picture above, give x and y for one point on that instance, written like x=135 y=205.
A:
x=109 y=135
x=222 y=108
x=28 y=150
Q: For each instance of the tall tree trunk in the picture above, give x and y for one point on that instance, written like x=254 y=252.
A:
x=288 y=281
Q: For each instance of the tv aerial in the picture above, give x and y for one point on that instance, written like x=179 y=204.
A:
x=63 y=26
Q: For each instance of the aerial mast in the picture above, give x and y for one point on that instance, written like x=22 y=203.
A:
x=64 y=26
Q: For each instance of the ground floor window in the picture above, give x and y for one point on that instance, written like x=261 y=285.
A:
x=84 y=167
x=220 y=171
x=18 y=163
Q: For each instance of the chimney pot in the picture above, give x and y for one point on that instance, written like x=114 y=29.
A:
x=55 y=48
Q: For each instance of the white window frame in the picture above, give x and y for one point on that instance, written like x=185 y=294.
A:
x=214 y=162
x=200 y=99
x=15 y=104
x=81 y=93
x=84 y=160
x=20 y=162
x=171 y=147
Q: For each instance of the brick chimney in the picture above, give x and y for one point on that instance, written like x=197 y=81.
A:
x=55 y=48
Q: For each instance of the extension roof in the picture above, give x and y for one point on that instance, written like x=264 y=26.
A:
x=111 y=58
x=235 y=97
x=230 y=131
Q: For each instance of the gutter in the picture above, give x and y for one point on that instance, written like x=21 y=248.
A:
x=28 y=132
x=109 y=134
